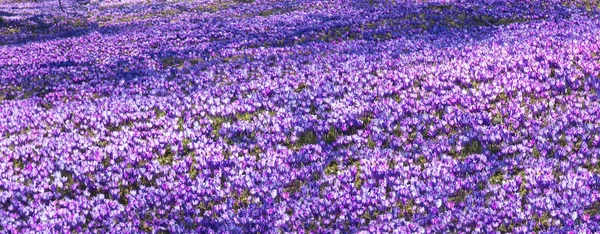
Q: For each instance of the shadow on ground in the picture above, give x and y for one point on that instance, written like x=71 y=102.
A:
x=367 y=22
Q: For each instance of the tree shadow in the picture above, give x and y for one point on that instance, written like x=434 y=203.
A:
x=35 y=28
x=3 y=13
x=363 y=25
x=429 y=20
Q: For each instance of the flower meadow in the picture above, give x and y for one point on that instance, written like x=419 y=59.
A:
x=300 y=116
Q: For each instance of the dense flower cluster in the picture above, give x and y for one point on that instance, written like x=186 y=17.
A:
x=310 y=116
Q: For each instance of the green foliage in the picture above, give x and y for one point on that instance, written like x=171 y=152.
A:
x=124 y=191
x=440 y=7
x=594 y=168
x=186 y=146
x=459 y=196
x=245 y=116
x=421 y=161
x=211 y=8
x=216 y=124
x=494 y=148
x=269 y=12
x=504 y=228
x=171 y=61
x=562 y=140
x=322 y=188
x=307 y=138
x=541 y=222
x=18 y=164
x=289 y=211
x=193 y=172
x=332 y=168
x=226 y=154
x=233 y=59
x=145 y=227
x=366 y=119
x=497 y=178
x=256 y=151
x=497 y=119
x=523 y=187
x=397 y=98
x=103 y=143
x=535 y=152
x=407 y=209
x=311 y=228
x=340 y=33
x=47 y=105
x=578 y=145
x=313 y=109
x=397 y=131
x=65 y=190
x=113 y=128
x=194 y=61
x=331 y=136
x=300 y=87
x=392 y=163
x=358 y=182
x=557 y=173
x=473 y=147
x=79 y=23
x=316 y=176
x=106 y=162
x=440 y=113
x=593 y=209
x=203 y=207
x=502 y=96
x=159 y=113
x=417 y=83
x=180 y=124
x=242 y=199
x=370 y=143
x=368 y=216
x=167 y=158
x=294 y=187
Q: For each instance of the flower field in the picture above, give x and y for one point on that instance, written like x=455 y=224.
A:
x=300 y=116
